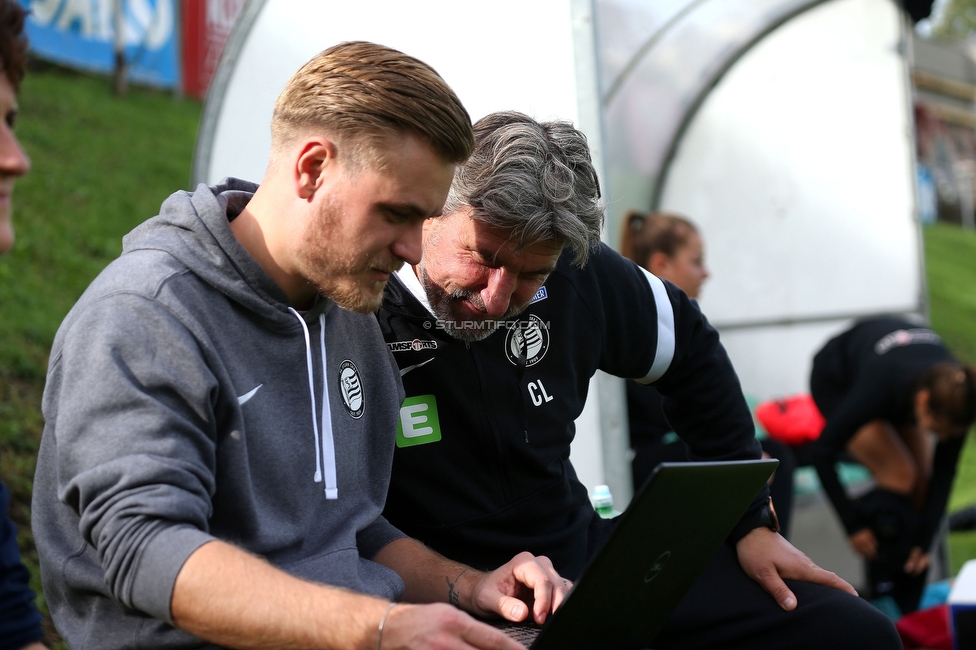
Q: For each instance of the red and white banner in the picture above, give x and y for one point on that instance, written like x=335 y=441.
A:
x=206 y=27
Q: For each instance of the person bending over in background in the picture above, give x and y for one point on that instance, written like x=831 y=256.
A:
x=896 y=401
x=20 y=623
x=670 y=247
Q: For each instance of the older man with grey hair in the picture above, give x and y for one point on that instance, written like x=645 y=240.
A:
x=497 y=331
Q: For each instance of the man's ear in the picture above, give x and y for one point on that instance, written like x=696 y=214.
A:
x=315 y=160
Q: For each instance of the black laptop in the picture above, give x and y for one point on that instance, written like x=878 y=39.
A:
x=659 y=545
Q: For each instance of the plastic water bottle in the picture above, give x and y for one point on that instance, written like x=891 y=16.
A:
x=603 y=502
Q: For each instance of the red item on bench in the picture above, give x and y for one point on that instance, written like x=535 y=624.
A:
x=794 y=420
x=926 y=628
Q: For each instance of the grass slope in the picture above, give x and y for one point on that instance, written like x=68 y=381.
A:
x=100 y=165
x=950 y=260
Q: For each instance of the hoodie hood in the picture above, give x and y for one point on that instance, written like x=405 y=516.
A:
x=194 y=227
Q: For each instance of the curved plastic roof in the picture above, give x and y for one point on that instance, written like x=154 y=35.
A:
x=659 y=60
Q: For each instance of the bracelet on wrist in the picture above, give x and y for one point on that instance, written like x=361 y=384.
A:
x=379 y=635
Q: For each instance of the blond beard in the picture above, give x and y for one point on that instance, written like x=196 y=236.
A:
x=335 y=271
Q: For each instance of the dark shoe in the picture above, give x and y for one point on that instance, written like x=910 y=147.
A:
x=964 y=519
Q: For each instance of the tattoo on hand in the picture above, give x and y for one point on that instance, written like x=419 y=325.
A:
x=453 y=596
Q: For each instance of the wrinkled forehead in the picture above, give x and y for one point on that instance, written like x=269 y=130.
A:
x=504 y=246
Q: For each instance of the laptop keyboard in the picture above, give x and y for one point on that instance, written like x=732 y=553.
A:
x=524 y=634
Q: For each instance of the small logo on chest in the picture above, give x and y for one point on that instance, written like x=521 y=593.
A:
x=351 y=389
x=415 y=345
x=531 y=340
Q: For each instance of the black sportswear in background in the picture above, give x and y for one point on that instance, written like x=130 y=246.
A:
x=869 y=372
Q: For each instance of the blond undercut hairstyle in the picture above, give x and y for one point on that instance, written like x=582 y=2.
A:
x=363 y=96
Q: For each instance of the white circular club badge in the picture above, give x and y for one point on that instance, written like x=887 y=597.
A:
x=533 y=336
x=351 y=389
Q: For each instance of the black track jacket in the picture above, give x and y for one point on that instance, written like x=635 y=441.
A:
x=482 y=468
x=869 y=372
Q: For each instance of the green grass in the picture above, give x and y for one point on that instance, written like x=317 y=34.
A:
x=100 y=165
x=950 y=259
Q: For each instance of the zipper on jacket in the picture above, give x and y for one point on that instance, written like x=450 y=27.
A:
x=491 y=424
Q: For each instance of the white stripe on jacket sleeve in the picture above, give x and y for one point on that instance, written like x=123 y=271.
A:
x=664 y=354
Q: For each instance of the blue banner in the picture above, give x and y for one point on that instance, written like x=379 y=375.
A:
x=81 y=34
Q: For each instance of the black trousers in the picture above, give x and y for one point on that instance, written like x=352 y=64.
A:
x=726 y=609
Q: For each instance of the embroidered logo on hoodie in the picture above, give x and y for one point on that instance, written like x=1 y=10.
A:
x=351 y=389
x=246 y=397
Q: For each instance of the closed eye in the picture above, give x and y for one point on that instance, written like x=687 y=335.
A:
x=398 y=217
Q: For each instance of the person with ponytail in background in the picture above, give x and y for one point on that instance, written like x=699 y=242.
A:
x=670 y=247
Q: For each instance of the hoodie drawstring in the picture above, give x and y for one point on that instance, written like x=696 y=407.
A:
x=328 y=438
x=327 y=449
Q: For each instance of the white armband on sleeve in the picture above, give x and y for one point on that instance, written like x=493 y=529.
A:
x=664 y=354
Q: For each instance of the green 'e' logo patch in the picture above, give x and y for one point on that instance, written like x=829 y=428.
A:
x=418 y=423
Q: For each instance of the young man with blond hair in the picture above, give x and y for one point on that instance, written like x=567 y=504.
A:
x=220 y=407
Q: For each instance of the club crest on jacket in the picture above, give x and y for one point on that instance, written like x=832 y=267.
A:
x=532 y=338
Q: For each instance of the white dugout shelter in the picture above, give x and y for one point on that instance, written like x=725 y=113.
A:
x=782 y=127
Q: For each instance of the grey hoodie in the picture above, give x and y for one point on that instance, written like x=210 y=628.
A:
x=187 y=401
